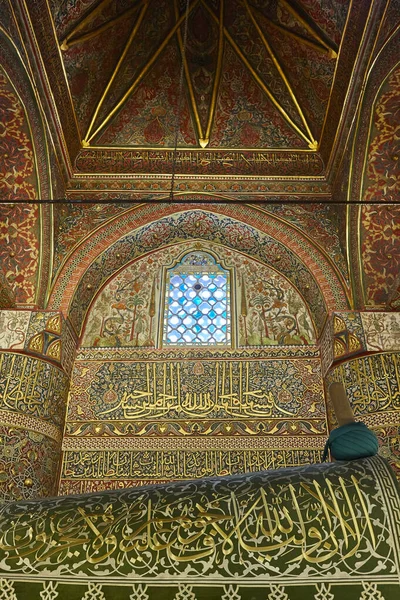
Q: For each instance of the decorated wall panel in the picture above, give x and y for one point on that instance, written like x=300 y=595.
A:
x=321 y=531
x=7 y=296
x=352 y=333
x=373 y=387
x=17 y=166
x=136 y=422
x=374 y=235
x=29 y=461
x=380 y=247
x=42 y=333
x=32 y=410
x=75 y=221
x=19 y=248
x=266 y=309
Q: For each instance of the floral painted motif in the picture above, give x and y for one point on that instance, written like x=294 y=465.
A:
x=17 y=166
x=19 y=249
x=74 y=221
x=381 y=180
x=269 y=309
x=381 y=255
x=28 y=464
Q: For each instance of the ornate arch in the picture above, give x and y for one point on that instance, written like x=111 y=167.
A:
x=241 y=228
x=25 y=255
x=374 y=249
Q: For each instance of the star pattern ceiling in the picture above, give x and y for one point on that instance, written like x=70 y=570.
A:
x=257 y=73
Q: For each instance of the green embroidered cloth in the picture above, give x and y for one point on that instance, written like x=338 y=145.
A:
x=325 y=532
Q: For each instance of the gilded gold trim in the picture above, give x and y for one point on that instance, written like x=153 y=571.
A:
x=70 y=41
x=313 y=143
x=258 y=79
x=115 y=72
x=312 y=30
x=88 y=137
x=85 y=21
x=188 y=78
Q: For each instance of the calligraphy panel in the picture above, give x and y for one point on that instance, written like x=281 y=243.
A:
x=205 y=162
x=321 y=526
x=32 y=387
x=157 y=420
x=148 y=395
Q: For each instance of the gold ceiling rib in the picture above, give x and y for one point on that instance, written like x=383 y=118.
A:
x=88 y=138
x=85 y=21
x=72 y=41
x=310 y=141
x=128 y=44
x=217 y=76
x=314 y=143
x=296 y=36
x=312 y=30
x=188 y=79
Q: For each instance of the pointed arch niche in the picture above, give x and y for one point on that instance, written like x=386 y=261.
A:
x=141 y=411
x=137 y=306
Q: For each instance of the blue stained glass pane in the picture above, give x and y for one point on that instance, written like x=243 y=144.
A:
x=189 y=321
x=176 y=280
x=189 y=336
x=205 y=293
x=204 y=321
x=205 y=307
x=190 y=280
x=197 y=302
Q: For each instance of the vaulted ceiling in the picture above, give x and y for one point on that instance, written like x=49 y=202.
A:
x=238 y=99
x=257 y=74
x=241 y=88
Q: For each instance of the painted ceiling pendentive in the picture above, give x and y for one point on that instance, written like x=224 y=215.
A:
x=244 y=88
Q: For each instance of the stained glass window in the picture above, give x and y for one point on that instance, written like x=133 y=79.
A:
x=197 y=306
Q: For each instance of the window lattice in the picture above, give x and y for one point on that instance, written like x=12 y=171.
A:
x=197 y=303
